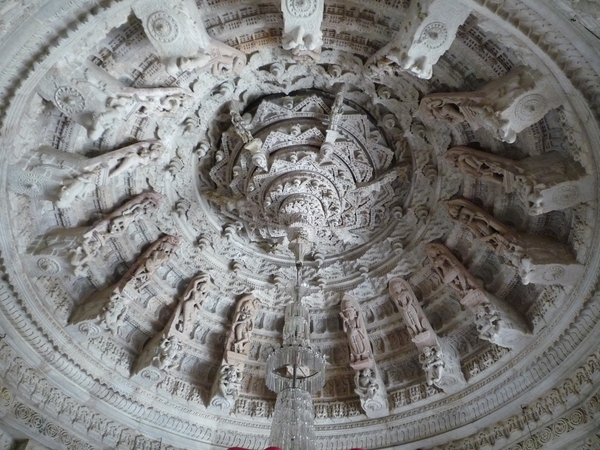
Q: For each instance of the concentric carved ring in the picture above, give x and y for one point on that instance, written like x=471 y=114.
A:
x=530 y=108
x=163 y=27
x=69 y=100
x=302 y=8
x=434 y=35
x=566 y=195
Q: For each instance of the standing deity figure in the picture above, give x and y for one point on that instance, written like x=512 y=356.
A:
x=432 y=363
x=243 y=325
x=113 y=314
x=358 y=341
x=191 y=302
x=409 y=307
x=167 y=353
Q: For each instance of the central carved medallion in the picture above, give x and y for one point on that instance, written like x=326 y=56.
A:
x=306 y=168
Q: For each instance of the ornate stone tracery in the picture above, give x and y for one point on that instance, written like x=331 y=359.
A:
x=149 y=93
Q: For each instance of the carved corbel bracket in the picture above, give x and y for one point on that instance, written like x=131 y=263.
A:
x=496 y=320
x=371 y=390
x=439 y=359
x=109 y=306
x=426 y=33
x=539 y=259
x=302 y=28
x=504 y=107
x=544 y=183
x=177 y=33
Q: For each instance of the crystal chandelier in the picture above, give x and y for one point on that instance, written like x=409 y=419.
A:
x=295 y=371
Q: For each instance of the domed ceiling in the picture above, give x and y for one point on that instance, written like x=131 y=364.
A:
x=428 y=167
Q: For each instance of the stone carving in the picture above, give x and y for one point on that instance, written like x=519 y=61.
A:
x=82 y=245
x=372 y=393
x=302 y=28
x=107 y=306
x=227 y=388
x=544 y=183
x=433 y=365
x=441 y=367
x=164 y=350
x=155 y=258
x=168 y=353
x=496 y=320
x=427 y=31
x=361 y=356
x=91 y=97
x=191 y=302
x=503 y=107
x=253 y=145
x=409 y=306
x=76 y=188
x=178 y=34
x=113 y=314
x=303 y=189
x=539 y=259
x=241 y=330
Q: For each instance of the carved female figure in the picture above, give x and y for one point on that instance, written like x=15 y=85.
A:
x=192 y=300
x=243 y=324
x=406 y=299
x=360 y=349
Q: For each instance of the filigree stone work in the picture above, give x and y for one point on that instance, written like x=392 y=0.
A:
x=426 y=33
x=539 y=259
x=496 y=320
x=503 y=107
x=58 y=401
x=544 y=183
x=177 y=33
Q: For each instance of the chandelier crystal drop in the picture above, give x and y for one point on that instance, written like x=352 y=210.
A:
x=295 y=371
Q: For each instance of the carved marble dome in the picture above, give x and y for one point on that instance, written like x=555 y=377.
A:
x=433 y=163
